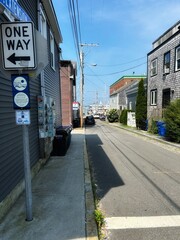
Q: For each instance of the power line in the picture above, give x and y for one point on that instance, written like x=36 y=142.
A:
x=120 y=64
x=79 y=25
x=118 y=71
x=75 y=25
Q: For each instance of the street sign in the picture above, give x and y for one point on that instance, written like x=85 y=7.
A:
x=23 y=117
x=15 y=9
x=18 y=45
x=20 y=90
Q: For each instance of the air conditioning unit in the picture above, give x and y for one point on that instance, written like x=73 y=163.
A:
x=166 y=70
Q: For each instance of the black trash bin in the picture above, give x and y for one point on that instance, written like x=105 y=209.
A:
x=61 y=140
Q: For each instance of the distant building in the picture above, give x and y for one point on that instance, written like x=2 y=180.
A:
x=131 y=94
x=118 y=99
x=163 y=72
x=68 y=90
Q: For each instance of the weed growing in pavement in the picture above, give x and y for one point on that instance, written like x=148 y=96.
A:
x=98 y=214
x=100 y=220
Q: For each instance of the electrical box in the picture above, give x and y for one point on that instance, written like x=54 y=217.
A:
x=46 y=117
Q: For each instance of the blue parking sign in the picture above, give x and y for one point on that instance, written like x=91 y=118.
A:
x=20 y=90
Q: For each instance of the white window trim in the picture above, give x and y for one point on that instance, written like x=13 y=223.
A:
x=176 y=59
x=153 y=97
x=153 y=67
x=130 y=105
x=43 y=23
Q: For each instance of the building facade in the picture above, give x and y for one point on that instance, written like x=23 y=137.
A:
x=163 y=72
x=68 y=90
x=131 y=94
x=45 y=99
x=118 y=98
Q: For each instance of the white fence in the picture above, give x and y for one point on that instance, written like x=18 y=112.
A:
x=131 y=119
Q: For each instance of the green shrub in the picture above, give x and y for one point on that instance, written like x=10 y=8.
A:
x=113 y=115
x=172 y=121
x=153 y=128
x=123 y=116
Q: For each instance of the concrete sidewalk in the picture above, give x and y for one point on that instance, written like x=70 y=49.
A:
x=59 y=200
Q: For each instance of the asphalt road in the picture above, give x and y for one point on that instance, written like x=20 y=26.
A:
x=138 y=184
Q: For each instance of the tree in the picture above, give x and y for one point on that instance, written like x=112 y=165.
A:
x=123 y=116
x=172 y=121
x=141 y=106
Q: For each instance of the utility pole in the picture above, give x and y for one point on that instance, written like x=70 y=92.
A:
x=81 y=87
x=82 y=77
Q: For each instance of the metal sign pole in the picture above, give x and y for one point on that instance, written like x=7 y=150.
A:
x=27 y=173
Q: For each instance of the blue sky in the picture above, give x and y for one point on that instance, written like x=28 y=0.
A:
x=124 y=30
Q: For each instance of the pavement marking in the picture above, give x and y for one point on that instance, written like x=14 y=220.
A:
x=167 y=172
x=142 y=222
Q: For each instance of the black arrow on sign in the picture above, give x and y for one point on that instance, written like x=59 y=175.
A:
x=14 y=58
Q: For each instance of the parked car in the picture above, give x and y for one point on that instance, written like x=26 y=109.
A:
x=89 y=120
x=96 y=116
x=102 y=117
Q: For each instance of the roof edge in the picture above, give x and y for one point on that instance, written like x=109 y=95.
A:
x=50 y=11
x=129 y=76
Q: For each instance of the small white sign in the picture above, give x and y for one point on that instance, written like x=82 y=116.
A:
x=18 y=45
x=23 y=117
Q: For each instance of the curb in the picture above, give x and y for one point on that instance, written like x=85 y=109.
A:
x=91 y=226
x=152 y=137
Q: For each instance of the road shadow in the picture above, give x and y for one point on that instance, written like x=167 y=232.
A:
x=103 y=171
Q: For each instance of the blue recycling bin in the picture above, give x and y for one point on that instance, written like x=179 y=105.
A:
x=161 y=128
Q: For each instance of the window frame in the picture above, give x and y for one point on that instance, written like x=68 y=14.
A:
x=166 y=97
x=166 y=64
x=153 y=97
x=153 y=67
x=43 y=23
x=176 y=60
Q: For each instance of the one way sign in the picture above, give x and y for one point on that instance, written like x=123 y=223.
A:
x=18 y=45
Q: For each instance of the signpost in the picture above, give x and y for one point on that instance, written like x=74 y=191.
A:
x=21 y=102
x=18 y=45
x=19 y=55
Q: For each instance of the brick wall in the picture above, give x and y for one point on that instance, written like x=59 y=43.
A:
x=66 y=94
x=125 y=80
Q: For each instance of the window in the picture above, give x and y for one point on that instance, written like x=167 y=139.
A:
x=130 y=105
x=153 y=97
x=52 y=50
x=177 y=61
x=43 y=25
x=166 y=69
x=166 y=97
x=154 y=67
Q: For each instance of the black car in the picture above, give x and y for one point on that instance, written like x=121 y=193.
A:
x=89 y=120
